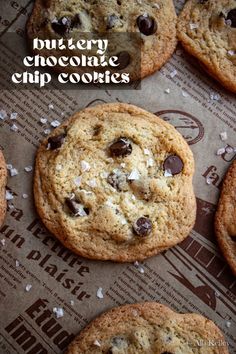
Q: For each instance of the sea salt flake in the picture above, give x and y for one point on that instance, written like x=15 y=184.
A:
x=28 y=168
x=47 y=131
x=3 y=242
x=139 y=267
x=220 y=151
x=43 y=120
x=122 y=165
x=17 y=263
x=134 y=176
x=13 y=115
x=156 y=6
x=13 y=172
x=72 y=302
x=229 y=149
x=58 y=311
x=185 y=94
x=150 y=162
x=14 y=128
x=51 y=106
x=9 y=195
x=223 y=136
x=228 y=324
x=81 y=211
x=133 y=197
x=168 y=173
x=193 y=26
x=55 y=123
x=146 y=152
x=3 y=114
x=97 y=343
x=104 y=174
x=9 y=166
x=85 y=166
x=231 y=52
x=173 y=73
x=214 y=96
x=92 y=183
x=25 y=196
x=99 y=293
x=28 y=287
x=167 y=91
x=208 y=181
x=58 y=167
x=77 y=181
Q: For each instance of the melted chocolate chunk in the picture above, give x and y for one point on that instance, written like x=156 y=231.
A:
x=232 y=17
x=62 y=26
x=147 y=25
x=76 y=208
x=121 y=147
x=124 y=60
x=55 y=142
x=173 y=164
x=143 y=226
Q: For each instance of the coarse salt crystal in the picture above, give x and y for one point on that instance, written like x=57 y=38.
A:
x=146 y=152
x=43 y=120
x=156 y=6
x=104 y=174
x=55 y=123
x=231 y=52
x=58 y=167
x=58 y=311
x=220 y=151
x=13 y=115
x=47 y=131
x=9 y=195
x=150 y=162
x=139 y=267
x=72 y=302
x=92 y=183
x=168 y=173
x=99 y=293
x=3 y=242
x=133 y=197
x=14 y=128
x=3 y=114
x=185 y=94
x=28 y=168
x=223 y=136
x=173 y=73
x=13 y=172
x=193 y=26
x=167 y=91
x=28 y=287
x=97 y=343
x=24 y=196
x=51 y=106
x=17 y=263
x=228 y=324
x=134 y=176
x=77 y=181
x=85 y=166
x=9 y=166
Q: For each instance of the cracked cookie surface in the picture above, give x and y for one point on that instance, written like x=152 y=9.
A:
x=3 y=182
x=207 y=30
x=114 y=182
x=155 y=21
x=149 y=328
x=225 y=219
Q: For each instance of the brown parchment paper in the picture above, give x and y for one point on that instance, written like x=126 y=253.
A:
x=191 y=277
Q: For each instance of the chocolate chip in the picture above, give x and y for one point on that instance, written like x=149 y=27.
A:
x=111 y=21
x=173 y=164
x=123 y=59
x=202 y=1
x=76 y=21
x=166 y=353
x=143 y=226
x=147 y=25
x=118 y=180
x=62 y=26
x=76 y=207
x=232 y=17
x=121 y=147
x=55 y=142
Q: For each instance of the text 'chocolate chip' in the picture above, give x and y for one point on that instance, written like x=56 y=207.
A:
x=56 y=142
x=143 y=226
x=147 y=25
x=121 y=148
x=173 y=164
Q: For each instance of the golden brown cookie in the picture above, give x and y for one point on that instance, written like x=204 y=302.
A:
x=154 y=20
x=114 y=182
x=207 y=30
x=149 y=328
x=3 y=182
x=225 y=219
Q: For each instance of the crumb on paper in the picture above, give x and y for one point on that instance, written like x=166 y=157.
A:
x=99 y=293
x=139 y=267
x=167 y=91
x=58 y=311
x=25 y=196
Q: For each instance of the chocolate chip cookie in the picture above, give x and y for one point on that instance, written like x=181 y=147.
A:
x=115 y=183
x=225 y=219
x=3 y=181
x=149 y=328
x=207 y=30
x=153 y=21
